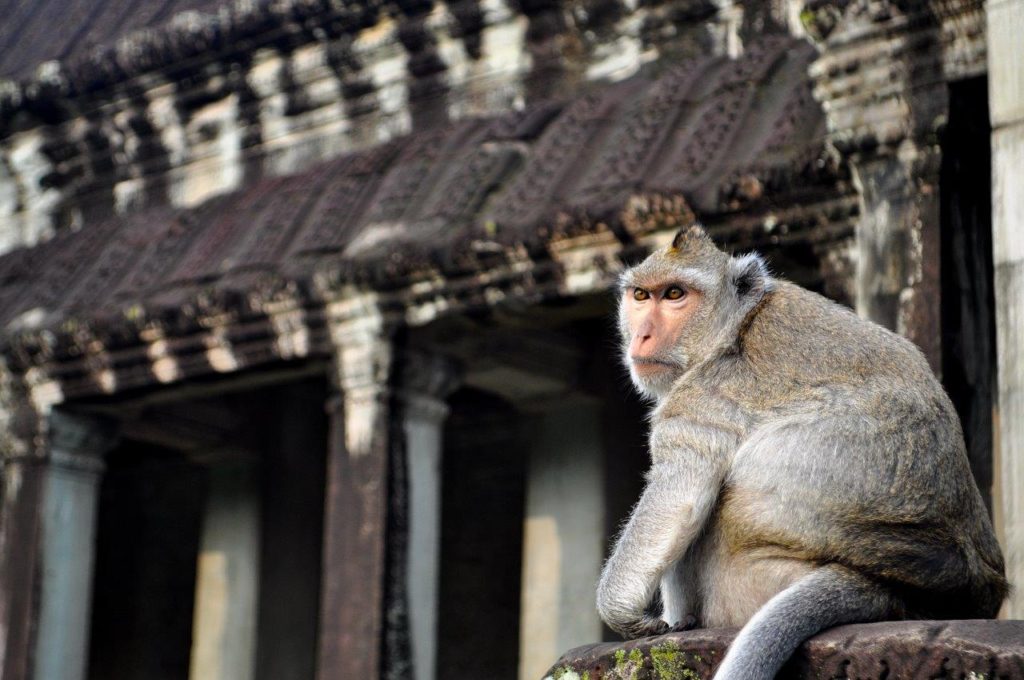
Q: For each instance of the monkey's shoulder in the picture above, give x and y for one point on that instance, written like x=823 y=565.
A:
x=803 y=336
x=801 y=351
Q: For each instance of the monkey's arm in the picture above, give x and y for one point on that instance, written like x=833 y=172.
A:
x=682 y=486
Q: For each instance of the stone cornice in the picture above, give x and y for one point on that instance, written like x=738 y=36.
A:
x=140 y=350
x=883 y=67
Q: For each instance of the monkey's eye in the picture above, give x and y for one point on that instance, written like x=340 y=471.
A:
x=639 y=294
x=674 y=293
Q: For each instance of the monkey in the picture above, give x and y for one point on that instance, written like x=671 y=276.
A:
x=807 y=468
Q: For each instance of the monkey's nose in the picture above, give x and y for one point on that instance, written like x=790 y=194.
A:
x=641 y=344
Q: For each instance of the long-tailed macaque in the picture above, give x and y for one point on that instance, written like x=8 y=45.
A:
x=807 y=468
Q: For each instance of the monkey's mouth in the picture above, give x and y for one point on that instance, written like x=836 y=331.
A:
x=651 y=365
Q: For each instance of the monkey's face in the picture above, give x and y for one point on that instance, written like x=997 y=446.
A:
x=661 y=309
x=681 y=305
x=656 y=315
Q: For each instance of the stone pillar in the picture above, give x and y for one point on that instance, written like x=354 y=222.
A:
x=897 y=276
x=20 y=505
x=880 y=79
x=69 y=487
x=352 y=605
x=426 y=381
x=1006 y=102
x=563 y=541
x=227 y=575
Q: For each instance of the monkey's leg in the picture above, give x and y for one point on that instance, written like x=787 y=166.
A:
x=827 y=597
x=678 y=596
x=670 y=514
x=674 y=602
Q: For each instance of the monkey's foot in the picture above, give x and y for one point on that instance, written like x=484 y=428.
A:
x=689 y=622
x=646 y=627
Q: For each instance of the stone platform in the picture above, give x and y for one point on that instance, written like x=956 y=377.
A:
x=897 y=650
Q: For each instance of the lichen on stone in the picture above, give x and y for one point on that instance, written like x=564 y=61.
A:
x=564 y=673
x=670 y=662
x=567 y=673
x=628 y=665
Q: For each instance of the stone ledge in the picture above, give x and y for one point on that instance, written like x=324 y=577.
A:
x=897 y=650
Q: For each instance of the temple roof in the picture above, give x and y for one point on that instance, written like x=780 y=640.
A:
x=69 y=30
x=737 y=143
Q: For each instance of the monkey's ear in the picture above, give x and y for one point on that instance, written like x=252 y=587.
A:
x=749 y=276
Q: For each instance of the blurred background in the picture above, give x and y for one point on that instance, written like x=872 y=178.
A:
x=308 y=361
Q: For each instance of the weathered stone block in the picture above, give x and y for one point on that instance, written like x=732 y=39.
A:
x=897 y=650
x=1005 y=52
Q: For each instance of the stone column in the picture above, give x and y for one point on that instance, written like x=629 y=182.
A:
x=897 y=276
x=880 y=79
x=1006 y=102
x=24 y=473
x=426 y=381
x=563 y=540
x=227 y=575
x=352 y=605
x=66 y=544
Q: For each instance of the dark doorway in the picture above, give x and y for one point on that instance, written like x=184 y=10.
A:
x=149 y=517
x=483 y=473
x=251 y=458
x=968 y=304
x=293 y=467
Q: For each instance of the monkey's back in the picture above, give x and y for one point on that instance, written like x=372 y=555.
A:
x=864 y=455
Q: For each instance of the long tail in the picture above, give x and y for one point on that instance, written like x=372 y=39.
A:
x=827 y=597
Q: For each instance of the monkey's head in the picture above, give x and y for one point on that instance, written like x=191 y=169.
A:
x=683 y=305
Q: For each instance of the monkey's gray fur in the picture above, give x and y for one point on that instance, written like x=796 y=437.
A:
x=807 y=470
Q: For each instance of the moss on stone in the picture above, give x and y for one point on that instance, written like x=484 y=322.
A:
x=628 y=665
x=670 y=663
x=567 y=673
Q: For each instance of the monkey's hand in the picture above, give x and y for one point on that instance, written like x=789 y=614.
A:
x=645 y=627
x=689 y=622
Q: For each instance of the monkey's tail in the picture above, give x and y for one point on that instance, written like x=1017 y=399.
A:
x=829 y=596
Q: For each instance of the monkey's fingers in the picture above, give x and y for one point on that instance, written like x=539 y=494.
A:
x=689 y=622
x=647 y=627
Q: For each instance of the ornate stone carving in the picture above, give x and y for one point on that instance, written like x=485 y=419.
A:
x=363 y=363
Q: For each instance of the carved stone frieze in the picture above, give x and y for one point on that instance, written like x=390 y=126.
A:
x=273 y=89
